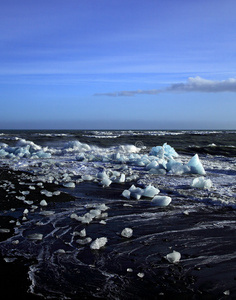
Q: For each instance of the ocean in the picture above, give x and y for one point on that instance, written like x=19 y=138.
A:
x=68 y=196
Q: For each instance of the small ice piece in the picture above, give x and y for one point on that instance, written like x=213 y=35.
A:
x=196 y=166
x=60 y=251
x=69 y=185
x=106 y=182
x=43 y=203
x=35 y=236
x=87 y=177
x=173 y=257
x=47 y=213
x=129 y=270
x=150 y=191
x=4 y=230
x=15 y=242
x=201 y=183
x=127 y=232
x=136 y=192
x=25 y=192
x=140 y=275
x=82 y=233
x=56 y=193
x=126 y=194
x=85 y=241
x=103 y=222
x=161 y=201
x=25 y=212
x=98 y=243
x=95 y=212
x=122 y=178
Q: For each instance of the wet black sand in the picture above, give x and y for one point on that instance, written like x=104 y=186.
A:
x=206 y=239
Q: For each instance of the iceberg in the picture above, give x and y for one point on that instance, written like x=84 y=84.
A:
x=196 y=166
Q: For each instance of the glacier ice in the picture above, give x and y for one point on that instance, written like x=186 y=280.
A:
x=173 y=257
x=201 y=183
x=161 y=201
x=98 y=243
x=150 y=191
x=196 y=166
x=127 y=232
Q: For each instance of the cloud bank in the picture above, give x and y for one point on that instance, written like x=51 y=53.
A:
x=193 y=84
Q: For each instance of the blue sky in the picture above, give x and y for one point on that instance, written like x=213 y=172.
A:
x=116 y=64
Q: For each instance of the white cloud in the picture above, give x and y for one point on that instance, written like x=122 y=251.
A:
x=198 y=84
x=193 y=84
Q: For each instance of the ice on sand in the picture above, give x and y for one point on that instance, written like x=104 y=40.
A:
x=98 y=243
x=201 y=183
x=196 y=166
x=127 y=232
x=173 y=257
x=150 y=191
x=161 y=201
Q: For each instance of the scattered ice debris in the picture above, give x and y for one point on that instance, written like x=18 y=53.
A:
x=43 y=203
x=201 y=183
x=161 y=201
x=173 y=257
x=98 y=243
x=35 y=236
x=127 y=232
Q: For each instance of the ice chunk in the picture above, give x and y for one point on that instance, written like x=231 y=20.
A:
x=98 y=243
x=161 y=200
x=201 y=183
x=35 y=236
x=43 y=203
x=85 y=241
x=127 y=232
x=152 y=165
x=87 y=177
x=150 y=191
x=126 y=194
x=69 y=184
x=164 y=151
x=136 y=192
x=106 y=182
x=196 y=166
x=173 y=257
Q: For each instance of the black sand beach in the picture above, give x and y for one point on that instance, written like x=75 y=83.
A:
x=205 y=238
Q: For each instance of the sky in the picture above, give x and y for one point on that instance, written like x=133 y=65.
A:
x=118 y=64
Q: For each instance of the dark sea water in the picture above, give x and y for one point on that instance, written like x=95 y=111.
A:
x=52 y=187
